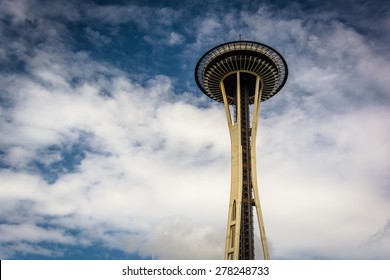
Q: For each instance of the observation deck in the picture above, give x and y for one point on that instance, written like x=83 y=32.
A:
x=244 y=56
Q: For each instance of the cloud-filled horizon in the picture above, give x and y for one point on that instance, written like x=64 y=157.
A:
x=108 y=149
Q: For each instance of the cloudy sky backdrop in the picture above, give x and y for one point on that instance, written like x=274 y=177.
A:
x=109 y=150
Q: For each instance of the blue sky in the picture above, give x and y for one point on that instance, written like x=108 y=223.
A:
x=108 y=150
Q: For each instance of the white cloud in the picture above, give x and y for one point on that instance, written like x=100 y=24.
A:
x=175 y=38
x=178 y=239
x=324 y=190
x=138 y=148
x=141 y=15
x=9 y=251
x=95 y=36
x=31 y=233
x=17 y=10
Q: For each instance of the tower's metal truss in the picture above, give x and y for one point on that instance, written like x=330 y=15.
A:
x=242 y=74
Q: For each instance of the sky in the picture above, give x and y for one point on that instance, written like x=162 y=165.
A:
x=108 y=150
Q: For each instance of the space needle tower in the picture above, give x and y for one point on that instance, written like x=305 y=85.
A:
x=242 y=74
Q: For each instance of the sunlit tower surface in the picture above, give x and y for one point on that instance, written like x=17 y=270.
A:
x=240 y=75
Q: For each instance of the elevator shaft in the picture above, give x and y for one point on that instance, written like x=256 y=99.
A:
x=246 y=230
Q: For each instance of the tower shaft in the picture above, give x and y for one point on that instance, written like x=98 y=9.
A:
x=244 y=194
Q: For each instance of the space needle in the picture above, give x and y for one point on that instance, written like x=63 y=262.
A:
x=242 y=74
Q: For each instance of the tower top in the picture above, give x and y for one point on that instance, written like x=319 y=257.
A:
x=246 y=56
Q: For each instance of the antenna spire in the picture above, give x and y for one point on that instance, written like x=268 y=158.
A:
x=239 y=37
